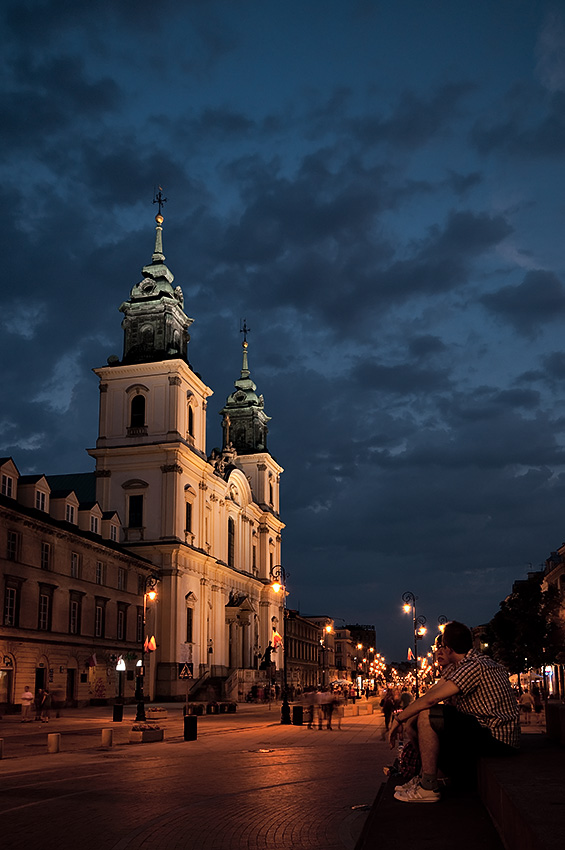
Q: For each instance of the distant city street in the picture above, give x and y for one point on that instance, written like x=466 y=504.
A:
x=247 y=781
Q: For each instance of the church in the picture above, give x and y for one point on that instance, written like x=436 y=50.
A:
x=205 y=529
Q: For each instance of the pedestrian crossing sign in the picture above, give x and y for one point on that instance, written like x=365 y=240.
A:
x=185 y=670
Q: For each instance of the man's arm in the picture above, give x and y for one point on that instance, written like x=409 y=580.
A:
x=438 y=692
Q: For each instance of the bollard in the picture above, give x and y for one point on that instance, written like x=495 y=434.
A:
x=117 y=713
x=190 y=727
x=107 y=737
x=1 y=748
x=53 y=742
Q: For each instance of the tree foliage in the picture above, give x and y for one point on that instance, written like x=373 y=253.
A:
x=527 y=631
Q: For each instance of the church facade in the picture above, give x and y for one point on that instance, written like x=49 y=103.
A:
x=210 y=524
x=205 y=529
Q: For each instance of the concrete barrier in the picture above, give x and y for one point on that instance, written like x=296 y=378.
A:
x=107 y=737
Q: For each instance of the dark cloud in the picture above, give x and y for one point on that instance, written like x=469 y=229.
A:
x=425 y=346
x=539 y=299
x=415 y=120
x=530 y=124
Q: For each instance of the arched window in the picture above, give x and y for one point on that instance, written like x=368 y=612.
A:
x=137 y=419
x=190 y=421
x=231 y=542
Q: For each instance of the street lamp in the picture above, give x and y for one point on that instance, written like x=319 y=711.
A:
x=419 y=627
x=442 y=622
x=278 y=576
x=150 y=593
x=324 y=655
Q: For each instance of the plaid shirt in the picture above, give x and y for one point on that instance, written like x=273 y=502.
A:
x=485 y=693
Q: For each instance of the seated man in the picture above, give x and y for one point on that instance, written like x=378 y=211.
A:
x=481 y=719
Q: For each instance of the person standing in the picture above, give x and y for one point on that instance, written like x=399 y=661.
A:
x=38 y=700
x=26 y=701
x=45 y=706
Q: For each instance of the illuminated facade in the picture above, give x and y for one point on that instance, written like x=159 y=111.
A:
x=209 y=524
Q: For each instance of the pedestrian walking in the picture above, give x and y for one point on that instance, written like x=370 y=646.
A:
x=526 y=706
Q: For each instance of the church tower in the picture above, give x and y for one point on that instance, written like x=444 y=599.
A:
x=210 y=526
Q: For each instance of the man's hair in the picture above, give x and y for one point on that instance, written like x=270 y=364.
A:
x=457 y=637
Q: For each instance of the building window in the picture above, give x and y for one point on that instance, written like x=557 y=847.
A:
x=189 y=619
x=44 y=614
x=135 y=513
x=45 y=556
x=94 y=524
x=75 y=565
x=100 y=570
x=40 y=500
x=11 y=599
x=99 y=618
x=231 y=542
x=113 y=533
x=122 y=578
x=13 y=546
x=70 y=513
x=140 y=585
x=190 y=421
x=139 y=625
x=188 y=517
x=7 y=486
x=254 y=558
x=137 y=411
x=122 y=621
x=270 y=493
x=75 y=612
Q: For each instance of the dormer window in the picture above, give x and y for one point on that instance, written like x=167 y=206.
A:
x=69 y=513
x=40 y=500
x=7 y=486
x=94 y=524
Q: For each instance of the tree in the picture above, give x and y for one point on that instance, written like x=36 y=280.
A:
x=527 y=631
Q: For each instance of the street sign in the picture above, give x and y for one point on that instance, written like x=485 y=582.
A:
x=185 y=670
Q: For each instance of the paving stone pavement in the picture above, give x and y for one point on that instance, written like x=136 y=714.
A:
x=245 y=783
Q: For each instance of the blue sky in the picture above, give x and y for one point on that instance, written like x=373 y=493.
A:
x=378 y=188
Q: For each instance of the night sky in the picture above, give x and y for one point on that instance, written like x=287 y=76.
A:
x=378 y=188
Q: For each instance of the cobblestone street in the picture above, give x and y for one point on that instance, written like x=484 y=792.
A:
x=247 y=782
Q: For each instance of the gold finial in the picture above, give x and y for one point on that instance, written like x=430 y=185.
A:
x=159 y=219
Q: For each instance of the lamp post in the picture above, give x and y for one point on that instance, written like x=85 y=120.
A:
x=418 y=623
x=149 y=592
x=442 y=622
x=278 y=576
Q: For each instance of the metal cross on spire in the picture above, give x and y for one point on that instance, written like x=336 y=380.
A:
x=244 y=329
x=159 y=199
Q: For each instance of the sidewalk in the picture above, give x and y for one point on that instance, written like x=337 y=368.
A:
x=81 y=728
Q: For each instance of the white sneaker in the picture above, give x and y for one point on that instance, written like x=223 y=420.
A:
x=409 y=784
x=417 y=794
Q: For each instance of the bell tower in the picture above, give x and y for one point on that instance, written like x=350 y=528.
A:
x=244 y=419
x=155 y=325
